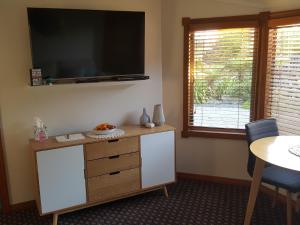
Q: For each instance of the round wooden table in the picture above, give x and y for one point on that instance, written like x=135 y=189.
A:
x=274 y=150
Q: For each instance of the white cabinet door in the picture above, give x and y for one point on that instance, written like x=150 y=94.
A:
x=158 y=159
x=61 y=178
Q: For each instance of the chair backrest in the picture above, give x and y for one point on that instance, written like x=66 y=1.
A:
x=257 y=130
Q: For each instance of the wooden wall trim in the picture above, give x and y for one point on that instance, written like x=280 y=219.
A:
x=23 y=206
x=186 y=24
x=284 y=14
x=262 y=65
x=189 y=176
x=274 y=23
x=4 y=197
x=214 y=179
x=215 y=134
x=231 y=181
x=226 y=19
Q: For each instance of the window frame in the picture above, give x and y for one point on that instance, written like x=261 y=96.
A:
x=264 y=21
x=275 y=20
x=191 y=25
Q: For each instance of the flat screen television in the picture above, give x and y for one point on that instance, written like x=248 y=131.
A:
x=87 y=45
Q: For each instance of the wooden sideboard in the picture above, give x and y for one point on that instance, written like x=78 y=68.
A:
x=79 y=174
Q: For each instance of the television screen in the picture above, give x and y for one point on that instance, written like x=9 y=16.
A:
x=71 y=43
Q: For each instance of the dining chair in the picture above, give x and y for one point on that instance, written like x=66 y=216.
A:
x=273 y=175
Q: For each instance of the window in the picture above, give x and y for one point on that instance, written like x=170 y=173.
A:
x=220 y=75
x=283 y=74
x=238 y=69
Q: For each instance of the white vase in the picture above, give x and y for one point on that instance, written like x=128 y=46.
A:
x=158 y=115
x=145 y=118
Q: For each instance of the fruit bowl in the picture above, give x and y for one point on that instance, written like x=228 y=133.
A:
x=104 y=128
x=103 y=132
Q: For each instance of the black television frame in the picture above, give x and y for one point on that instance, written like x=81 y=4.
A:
x=86 y=79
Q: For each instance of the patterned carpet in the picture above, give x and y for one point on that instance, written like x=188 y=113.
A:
x=190 y=202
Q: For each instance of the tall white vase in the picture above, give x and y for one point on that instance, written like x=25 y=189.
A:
x=158 y=115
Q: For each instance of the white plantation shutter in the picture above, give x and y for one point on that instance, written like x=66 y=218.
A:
x=221 y=69
x=283 y=78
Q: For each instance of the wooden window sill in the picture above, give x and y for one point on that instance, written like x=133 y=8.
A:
x=224 y=134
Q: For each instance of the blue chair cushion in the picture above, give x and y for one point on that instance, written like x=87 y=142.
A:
x=283 y=178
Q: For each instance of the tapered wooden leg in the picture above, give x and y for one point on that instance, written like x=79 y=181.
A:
x=289 y=208
x=166 y=191
x=55 y=218
x=275 y=197
x=259 y=166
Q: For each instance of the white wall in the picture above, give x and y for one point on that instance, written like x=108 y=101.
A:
x=216 y=157
x=65 y=108
x=80 y=107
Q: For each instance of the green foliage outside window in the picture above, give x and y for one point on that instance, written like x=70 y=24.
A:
x=224 y=67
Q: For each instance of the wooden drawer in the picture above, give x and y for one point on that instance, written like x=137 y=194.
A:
x=112 y=185
x=111 y=148
x=112 y=164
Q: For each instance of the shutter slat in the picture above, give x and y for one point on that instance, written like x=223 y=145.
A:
x=221 y=68
x=283 y=78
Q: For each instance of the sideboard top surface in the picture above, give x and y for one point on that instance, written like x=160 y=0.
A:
x=130 y=131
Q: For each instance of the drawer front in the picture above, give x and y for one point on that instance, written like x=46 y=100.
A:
x=111 y=148
x=113 y=185
x=112 y=164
